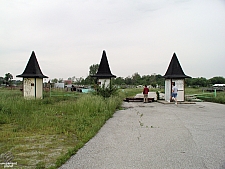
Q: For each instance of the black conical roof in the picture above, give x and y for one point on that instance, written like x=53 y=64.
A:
x=174 y=70
x=104 y=70
x=32 y=69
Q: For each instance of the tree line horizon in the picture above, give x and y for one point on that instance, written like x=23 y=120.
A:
x=136 y=79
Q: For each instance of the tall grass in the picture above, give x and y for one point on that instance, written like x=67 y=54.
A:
x=190 y=90
x=220 y=98
x=130 y=92
x=60 y=124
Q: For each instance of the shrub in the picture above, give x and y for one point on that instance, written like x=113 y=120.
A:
x=106 y=91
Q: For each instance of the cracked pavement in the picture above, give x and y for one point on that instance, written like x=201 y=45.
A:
x=157 y=136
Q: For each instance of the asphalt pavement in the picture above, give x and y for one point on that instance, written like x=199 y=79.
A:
x=157 y=136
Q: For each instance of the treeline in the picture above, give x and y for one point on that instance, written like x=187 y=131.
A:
x=203 y=82
x=158 y=80
x=135 y=79
x=155 y=80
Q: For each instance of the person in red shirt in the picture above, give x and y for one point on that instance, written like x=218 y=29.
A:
x=145 y=92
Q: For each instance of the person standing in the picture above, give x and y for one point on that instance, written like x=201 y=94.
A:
x=145 y=92
x=174 y=92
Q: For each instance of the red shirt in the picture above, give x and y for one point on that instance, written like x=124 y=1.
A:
x=146 y=90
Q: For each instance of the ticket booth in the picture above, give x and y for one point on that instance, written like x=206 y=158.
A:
x=175 y=74
x=104 y=74
x=32 y=79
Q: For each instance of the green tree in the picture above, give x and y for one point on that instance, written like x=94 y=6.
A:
x=128 y=80
x=93 y=69
x=197 y=82
x=145 y=80
x=54 y=80
x=106 y=91
x=203 y=82
x=136 y=79
x=88 y=80
x=118 y=81
x=8 y=78
x=60 y=80
x=1 y=80
x=79 y=81
x=217 y=80
x=153 y=80
x=188 y=82
x=160 y=80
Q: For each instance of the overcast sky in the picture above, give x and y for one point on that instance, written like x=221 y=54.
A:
x=68 y=36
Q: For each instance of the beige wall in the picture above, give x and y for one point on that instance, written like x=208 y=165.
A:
x=28 y=88
x=104 y=81
x=39 y=88
x=32 y=87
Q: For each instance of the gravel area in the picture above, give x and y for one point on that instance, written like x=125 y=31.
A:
x=157 y=136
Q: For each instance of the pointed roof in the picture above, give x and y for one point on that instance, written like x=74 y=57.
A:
x=174 y=70
x=32 y=69
x=104 y=70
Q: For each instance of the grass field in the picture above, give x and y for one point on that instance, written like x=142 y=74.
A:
x=36 y=132
x=45 y=133
x=207 y=96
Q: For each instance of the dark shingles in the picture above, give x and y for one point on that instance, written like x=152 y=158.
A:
x=174 y=70
x=104 y=70
x=32 y=69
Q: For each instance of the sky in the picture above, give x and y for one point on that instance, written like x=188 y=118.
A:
x=139 y=36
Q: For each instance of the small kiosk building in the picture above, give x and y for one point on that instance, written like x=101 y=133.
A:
x=32 y=79
x=175 y=74
x=104 y=74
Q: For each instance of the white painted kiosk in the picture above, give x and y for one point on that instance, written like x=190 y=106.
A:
x=175 y=74
x=32 y=79
x=104 y=74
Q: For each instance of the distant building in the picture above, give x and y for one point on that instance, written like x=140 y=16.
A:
x=59 y=85
x=219 y=85
x=67 y=82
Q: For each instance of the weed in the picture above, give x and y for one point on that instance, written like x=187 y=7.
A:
x=45 y=133
x=40 y=165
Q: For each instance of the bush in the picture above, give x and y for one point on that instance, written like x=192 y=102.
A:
x=106 y=91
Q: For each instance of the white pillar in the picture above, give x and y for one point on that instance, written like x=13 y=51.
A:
x=168 y=83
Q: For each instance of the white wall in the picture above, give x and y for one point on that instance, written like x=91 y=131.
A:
x=104 y=81
x=32 y=87
x=180 y=85
x=168 y=89
x=28 y=87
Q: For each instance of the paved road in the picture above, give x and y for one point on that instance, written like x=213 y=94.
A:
x=157 y=136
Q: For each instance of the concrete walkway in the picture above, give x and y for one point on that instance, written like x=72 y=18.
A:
x=157 y=136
